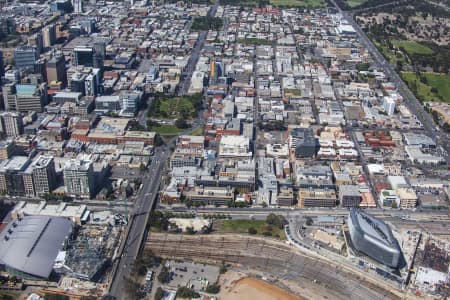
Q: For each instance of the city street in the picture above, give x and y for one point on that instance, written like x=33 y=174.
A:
x=187 y=74
x=130 y=247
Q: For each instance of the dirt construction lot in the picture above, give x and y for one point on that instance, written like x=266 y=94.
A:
x=236 y=286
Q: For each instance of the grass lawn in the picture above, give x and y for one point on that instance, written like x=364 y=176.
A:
x=173 y=107
x=197 y=131
x=166 y=129
x=299 y=3
x=354 y=3
x=170 y=107
x=242 y=226
x=413 y=47
x=386 y=53
x=441 y=83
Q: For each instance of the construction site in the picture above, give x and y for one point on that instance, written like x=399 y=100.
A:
x=432 y=263
x=89 y=255
x=276 y=259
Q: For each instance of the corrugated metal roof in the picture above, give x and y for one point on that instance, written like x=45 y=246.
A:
x=31 y=244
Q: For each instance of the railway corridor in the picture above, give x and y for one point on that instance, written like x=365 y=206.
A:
x=274 y=258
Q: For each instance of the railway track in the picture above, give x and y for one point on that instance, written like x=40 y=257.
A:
x=269 y=256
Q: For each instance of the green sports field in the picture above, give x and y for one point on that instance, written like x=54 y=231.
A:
x=413 y=47
x=436 y=87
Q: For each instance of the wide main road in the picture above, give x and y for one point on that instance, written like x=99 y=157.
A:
x=144 y=202
x=189 y=70
x=131 y=244
x=307 y=211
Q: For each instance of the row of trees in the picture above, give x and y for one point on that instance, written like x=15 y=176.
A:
x=207 y=23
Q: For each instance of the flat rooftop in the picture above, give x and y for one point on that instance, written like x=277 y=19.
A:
x=42 y=208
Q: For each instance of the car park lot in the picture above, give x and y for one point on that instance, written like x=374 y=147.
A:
x=192 y=275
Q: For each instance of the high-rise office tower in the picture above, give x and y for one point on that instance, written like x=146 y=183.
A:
x=9 y=96
x=43 y=174
x=92 y=82
x=25 y=56
x=77 y=6
x=49 y=35
x=79 y=177
x=36 y=40
x=100 y=49
x=30 y=97
x=77 y=83
x=12 y=123
x=2 y=66
x=83 y=56
x=11 y=175
x=56 y=70
x=40 y=67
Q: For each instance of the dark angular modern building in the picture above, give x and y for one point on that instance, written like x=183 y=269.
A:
x=83 y=56
x=303 y=141
x=374 y=238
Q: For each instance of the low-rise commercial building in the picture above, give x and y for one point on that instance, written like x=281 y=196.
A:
x=210 y=195
x=408 y=197
x=316 y=197
x=76 y=213
x=302 y=142
x=234 y=147
x=349 y=196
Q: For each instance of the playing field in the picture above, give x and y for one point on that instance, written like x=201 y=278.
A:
x=436 y=88
x=413 y=47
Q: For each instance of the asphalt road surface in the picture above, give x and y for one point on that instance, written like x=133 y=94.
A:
x=145 y=200
x=144 y=203
x=187 y=74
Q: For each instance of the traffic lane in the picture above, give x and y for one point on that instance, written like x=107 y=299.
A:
x=131 y=247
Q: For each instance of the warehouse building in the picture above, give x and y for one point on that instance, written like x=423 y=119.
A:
x=374 y=238
x=29 y=245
